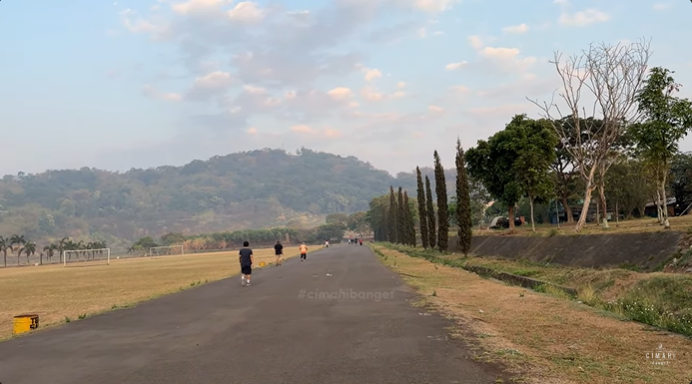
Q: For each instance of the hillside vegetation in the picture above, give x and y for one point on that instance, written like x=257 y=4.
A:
x=248 y=190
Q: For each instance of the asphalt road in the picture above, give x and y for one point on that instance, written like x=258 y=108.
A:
x=339 y=317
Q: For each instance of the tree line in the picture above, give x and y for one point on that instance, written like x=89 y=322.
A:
x=393 y=217
x=19 y=245
x=623 y=153
x=333 y=230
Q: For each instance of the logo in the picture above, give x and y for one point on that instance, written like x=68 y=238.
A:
x=660 y=356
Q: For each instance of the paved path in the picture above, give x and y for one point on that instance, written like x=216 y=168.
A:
x=265 y=334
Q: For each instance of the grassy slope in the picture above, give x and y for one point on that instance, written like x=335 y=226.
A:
x=682 y=223
x=543 y=338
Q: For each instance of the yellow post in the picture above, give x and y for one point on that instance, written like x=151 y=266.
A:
x=24 y=323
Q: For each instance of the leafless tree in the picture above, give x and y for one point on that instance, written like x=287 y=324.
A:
x=613 y=76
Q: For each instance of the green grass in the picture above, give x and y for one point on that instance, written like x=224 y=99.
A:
x=662 y=301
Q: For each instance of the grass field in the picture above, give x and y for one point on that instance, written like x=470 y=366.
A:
x=543 y=338
x=680 y=223
x=58 y=293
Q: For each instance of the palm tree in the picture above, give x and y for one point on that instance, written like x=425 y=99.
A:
x=50 y=251
x=16 y=242
x=4 y=247
x=61 y=246
x=29 y=249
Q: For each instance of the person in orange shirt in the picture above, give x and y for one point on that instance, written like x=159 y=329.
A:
x=303 y=252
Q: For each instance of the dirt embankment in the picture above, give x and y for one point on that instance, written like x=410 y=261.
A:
x=642 y=251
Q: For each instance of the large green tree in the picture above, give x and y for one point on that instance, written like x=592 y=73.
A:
x=422 y=214
x=667 y=119
x=463 y=203
x=533 y=144
x=442 y=209
x=492 y=162
x=430 y=213
x=629 y=186
x=376 y=217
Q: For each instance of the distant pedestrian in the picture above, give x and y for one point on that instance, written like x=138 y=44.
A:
x=279 y=250
x=326 y=243
x=361 y=241
x=303 y=252
x=246 y=260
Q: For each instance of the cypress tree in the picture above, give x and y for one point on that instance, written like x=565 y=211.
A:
x=463 y=213
x=384 y=234
x=430 y=213
x=410 y=226
x=393 y=217
x=422 y=216
x=442 y=209
x=401 y=219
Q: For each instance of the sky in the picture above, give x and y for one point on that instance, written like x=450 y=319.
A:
x=134 y=83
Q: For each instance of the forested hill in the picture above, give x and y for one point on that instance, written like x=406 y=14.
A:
x=263 y=188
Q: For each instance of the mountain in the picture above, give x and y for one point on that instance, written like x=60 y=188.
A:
x=247 y=190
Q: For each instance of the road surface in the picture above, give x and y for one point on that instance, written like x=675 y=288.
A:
x=339 y=317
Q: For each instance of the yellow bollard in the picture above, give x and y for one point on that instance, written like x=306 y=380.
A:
x=24 y=323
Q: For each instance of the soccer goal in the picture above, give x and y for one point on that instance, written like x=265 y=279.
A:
x=167 y=250
x=75 y=255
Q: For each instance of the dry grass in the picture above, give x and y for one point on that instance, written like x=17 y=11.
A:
x=679 y=223
x=545 y=339
x=57 y=292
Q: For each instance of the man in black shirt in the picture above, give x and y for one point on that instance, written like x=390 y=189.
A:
x=245 y=263
x=279 y=249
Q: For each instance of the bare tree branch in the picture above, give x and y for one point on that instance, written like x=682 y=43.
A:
x=613 y=75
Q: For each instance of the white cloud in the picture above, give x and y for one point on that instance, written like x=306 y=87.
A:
x=340 y=93
x=435 y=109
x=252 y=130
x=193 y=6
x=401 y=85
x=433 y=5
x=583 y=18
x=371 y=74
x=371 y=94
x=454 y=66
x=517 y=29
x=475 y=41
x=246 y=12
x=661 y=6
x=502 y=59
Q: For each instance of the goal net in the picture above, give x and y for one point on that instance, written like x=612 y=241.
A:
x=77 y=255
x=166 y=250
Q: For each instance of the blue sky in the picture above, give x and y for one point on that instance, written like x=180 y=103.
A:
x=121 y=84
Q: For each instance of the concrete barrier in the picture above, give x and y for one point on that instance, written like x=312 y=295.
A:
x=644 y=250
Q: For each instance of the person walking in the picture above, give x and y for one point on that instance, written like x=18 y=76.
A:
x=279 y=250
x=303 y=252
x=246 y=260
